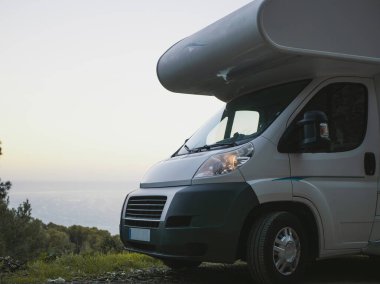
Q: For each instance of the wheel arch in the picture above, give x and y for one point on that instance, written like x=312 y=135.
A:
x=307 y=216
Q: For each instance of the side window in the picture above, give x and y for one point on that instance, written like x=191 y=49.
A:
x=245 y=122
x=345 y=105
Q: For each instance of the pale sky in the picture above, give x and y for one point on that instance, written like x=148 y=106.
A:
x=80 y=99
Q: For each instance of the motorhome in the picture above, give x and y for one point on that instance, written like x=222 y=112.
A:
x=287 y=171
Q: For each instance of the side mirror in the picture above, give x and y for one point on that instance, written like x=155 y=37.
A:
x=315 y=132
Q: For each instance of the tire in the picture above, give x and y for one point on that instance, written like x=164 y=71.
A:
x=277 y=249
x=179 y=264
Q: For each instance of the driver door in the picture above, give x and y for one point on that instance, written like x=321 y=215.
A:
x=342 y=182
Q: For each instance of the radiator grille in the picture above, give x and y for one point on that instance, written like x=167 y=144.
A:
x=145 y=207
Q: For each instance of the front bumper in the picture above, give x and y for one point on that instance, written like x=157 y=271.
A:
x=198 y=222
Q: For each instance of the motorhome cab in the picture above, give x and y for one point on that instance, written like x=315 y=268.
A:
x=288 y=170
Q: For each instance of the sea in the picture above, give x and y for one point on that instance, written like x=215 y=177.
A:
x=90 y=204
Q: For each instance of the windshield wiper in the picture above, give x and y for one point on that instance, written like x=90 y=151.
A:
x=186 y=147
x=231 y=143
x=209 y=147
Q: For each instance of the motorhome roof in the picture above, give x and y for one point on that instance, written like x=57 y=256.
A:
x=270 y=41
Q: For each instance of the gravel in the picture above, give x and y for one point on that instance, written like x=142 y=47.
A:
x=347 y=270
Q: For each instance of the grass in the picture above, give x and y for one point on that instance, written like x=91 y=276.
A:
x=80 y=266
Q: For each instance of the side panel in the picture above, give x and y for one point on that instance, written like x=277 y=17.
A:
x=317 y=217
x=265 y=172
x=337 y=185
x=375 y=236
x=346 y=29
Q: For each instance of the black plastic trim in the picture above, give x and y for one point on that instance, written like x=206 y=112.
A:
x=213 y=216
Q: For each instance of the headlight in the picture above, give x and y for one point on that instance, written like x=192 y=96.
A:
x=225 y=163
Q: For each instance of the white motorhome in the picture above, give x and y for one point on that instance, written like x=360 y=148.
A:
x=285 y=173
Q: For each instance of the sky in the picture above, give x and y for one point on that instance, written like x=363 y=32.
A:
x=80 y=99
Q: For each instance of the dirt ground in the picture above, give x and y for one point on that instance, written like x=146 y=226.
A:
x=344 y=270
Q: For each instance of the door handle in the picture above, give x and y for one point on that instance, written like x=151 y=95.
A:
x=369 y=163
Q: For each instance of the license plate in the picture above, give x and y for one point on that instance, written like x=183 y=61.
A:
x=138 y=234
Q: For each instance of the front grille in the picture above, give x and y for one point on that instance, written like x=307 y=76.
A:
x=145 y=207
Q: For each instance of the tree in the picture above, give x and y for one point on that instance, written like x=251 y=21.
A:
x=24 y=237
x=112 y=244
x=58 y=242
x=5 y=215
x=87 y=240
x=21 y=236
x=4 y=188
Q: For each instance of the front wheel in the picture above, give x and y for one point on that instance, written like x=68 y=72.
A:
x=177 y=264
x=277 y=248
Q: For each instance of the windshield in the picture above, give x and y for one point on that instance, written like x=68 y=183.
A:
x=243 y=118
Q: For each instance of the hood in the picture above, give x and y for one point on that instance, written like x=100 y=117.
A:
x=176 y=171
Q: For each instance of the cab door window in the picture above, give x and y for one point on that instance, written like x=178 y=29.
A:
x=345 y=105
